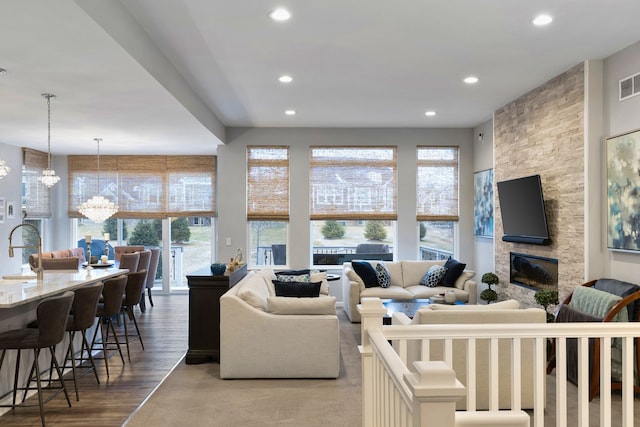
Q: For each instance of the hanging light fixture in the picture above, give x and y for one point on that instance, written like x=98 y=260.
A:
x=98 y=208
x=49 y=177
x=4 y=169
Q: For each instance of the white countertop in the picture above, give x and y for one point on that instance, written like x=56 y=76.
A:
x=15 y=292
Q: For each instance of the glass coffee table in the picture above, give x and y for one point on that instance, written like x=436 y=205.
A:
x=408 y=307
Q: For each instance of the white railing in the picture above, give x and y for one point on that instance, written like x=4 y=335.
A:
x=421 y=394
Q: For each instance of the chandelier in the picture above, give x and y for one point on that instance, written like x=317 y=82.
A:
x=4 y=169
x=98 y=208
x=49 y=177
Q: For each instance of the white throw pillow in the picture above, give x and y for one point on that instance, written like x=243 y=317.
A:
x=466 y=275
x=353 y=276
x=255 y=292
x=320 y=276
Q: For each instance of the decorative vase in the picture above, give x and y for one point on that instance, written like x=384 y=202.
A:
x=218 y=269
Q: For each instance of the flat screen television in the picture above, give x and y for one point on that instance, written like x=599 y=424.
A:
x=522 y=208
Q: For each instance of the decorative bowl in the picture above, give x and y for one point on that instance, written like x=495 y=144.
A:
x=218 y=269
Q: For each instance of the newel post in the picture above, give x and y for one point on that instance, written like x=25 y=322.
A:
x=371 y=312
x=435 y=390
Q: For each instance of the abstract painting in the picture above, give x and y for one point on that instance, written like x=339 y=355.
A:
x=483 y=203
x=623 y=191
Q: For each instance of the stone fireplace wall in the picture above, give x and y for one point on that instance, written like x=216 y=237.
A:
x=542 y=132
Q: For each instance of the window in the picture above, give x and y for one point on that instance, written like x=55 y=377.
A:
x=35 y=195
x=268 y=204
x=145 y=187
x=353 y=193
x=437 y=200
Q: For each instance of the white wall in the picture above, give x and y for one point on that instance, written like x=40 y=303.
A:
x=10 y=190
x=620 y=117
x=484 y=248
x=232 y=178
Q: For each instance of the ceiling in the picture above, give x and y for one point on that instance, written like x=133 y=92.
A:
x=168 y=76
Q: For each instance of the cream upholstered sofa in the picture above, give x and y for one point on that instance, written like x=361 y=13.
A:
x=405 y=285
x=266 y=336
x=502 y=312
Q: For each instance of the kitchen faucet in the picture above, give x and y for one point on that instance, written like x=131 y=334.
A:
x=39 y=270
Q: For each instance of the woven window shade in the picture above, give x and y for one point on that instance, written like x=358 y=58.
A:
x=353 y=183
x=437 y=184
x=267 y=183
x=145 y=187
x=192 y=184
x=36 y=193
x=141 y=187
x=84 y=181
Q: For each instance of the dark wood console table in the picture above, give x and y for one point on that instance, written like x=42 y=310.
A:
x=205 y=291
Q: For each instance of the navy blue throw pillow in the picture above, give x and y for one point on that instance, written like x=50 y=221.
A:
x=366 y=272
x=454 y=270
x=297 y=289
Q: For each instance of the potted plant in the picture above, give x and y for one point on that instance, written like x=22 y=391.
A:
x=547 y=297
x=489 y=295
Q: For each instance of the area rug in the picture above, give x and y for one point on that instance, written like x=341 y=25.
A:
x=194 y=395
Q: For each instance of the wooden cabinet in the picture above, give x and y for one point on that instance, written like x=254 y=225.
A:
x=205 y=291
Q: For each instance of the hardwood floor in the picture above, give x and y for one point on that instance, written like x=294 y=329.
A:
x=164 y=330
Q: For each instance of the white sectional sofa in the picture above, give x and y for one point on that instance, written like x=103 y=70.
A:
x=502 y=312
x=405 y=285
x=265 y=336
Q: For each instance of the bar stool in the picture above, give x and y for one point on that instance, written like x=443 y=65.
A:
x=143 y=264
x=83 y=315
x=151 y=277
x=132 y=295
x=109 y=308
x=52 y=314
x=130 y=261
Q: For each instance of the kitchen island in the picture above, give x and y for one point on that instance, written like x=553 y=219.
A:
x=19 y=298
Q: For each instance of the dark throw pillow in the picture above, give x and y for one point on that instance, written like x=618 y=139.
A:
x=366 y=272
x=454 y=270
x=297 y=289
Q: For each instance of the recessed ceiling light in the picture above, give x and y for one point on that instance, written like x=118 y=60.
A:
x=280 y=14
x=542 y=20
x=290 y=112
x=471 y=80
x=2 y=71
x=285 y=79
x=430 y=113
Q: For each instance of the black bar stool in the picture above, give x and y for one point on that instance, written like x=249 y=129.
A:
x=52 y=316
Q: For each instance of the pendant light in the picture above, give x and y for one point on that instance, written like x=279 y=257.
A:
x=98 y=208
x=4 y=169
x=49 y=177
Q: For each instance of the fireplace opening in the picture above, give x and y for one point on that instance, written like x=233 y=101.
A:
x=533 y=272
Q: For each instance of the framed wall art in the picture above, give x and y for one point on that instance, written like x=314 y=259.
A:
x=483 y=203
x=623 y=191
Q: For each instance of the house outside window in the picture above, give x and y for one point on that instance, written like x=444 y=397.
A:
x=437 y=201
x=268 y=204
x=353 y=203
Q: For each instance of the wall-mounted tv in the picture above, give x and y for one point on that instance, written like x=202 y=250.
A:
x=522 y=208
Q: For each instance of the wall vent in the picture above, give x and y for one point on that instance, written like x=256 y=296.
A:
x=629 y=86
